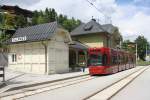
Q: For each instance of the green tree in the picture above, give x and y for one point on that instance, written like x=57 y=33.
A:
x=53 y=15
x=35 y=17
x=40 y=20
x=71 y=24
x=1 y=19
x=9 y=21
x=3 y=37
x=142 y=43
x=47 y=15
x=127 y=45
x=20 y=21
x=50 y=15
x=68 y=24
x=61 y=19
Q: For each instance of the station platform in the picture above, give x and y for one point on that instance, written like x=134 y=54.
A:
x=15 y=79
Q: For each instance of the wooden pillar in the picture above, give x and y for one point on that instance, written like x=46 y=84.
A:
x=77 y=57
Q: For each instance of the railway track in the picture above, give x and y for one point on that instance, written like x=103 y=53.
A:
x=23 y=92
x=108 y=92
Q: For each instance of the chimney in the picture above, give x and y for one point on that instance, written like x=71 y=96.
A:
x=93 y=19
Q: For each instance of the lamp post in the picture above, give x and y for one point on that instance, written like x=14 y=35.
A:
x=136 y=53
x=147 y=57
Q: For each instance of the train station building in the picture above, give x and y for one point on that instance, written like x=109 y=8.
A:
x=93 y=34
x=48 y=48
x=40 y=49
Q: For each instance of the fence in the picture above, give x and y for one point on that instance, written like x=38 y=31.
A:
x=2 y=75
x=3 y=63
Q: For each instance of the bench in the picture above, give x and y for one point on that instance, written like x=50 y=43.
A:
x=2 y=69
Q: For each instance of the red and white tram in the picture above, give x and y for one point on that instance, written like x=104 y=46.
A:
x=108 y=61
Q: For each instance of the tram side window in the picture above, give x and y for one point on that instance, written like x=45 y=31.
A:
x=119 y=59
x=127 y=59
x=124 y=60
x=132 y=60
x=114 y=60
x=104 y=59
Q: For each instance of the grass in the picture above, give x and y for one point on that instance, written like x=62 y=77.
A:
x=142 y=63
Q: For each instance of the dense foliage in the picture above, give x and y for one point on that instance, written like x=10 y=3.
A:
x=126 y=45
x=50 y=15
x=142 y=44
x=9 y=21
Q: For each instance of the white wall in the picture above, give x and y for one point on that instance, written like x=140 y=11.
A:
x=30 y=57
x=58 y=55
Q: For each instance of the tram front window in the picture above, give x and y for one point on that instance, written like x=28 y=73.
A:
x=95 y=59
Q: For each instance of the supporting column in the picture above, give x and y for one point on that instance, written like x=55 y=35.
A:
x=86 y=59
x=77 y=57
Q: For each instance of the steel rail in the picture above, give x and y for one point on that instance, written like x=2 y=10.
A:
x=45 y=87
x=88 y=97
x=29 y=91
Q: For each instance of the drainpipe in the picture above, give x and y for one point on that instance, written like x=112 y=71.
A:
x=45 y=47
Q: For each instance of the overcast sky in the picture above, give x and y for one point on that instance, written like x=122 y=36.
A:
x=131 y=16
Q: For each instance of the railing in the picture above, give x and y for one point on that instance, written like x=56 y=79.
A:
x=3 y=62
x=2 y=74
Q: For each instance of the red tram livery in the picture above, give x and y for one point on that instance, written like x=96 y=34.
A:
x=108 y=61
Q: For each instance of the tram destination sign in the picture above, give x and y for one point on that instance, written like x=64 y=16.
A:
x=18 y=39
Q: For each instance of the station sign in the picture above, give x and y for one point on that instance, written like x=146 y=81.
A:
x=18 y=39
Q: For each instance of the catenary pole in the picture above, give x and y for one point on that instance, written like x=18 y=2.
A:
x=136 y=53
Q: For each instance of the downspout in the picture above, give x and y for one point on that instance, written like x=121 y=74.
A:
x=45 y=47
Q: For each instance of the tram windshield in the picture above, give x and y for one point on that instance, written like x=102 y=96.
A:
x=96 y=59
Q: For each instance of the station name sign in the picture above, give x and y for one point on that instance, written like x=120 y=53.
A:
x=18 y=39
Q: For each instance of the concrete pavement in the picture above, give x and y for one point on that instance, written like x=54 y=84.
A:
x=137 y=89
x=81 y=90
x=107 y=93
x=18 y=79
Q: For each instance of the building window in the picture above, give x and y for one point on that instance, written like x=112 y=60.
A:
x=14 y=58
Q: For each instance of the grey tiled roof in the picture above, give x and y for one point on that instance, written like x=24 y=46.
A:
x=109 y=28
x=35 y=33
x=78 y=45
x=90 y=27
x=3 y=59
